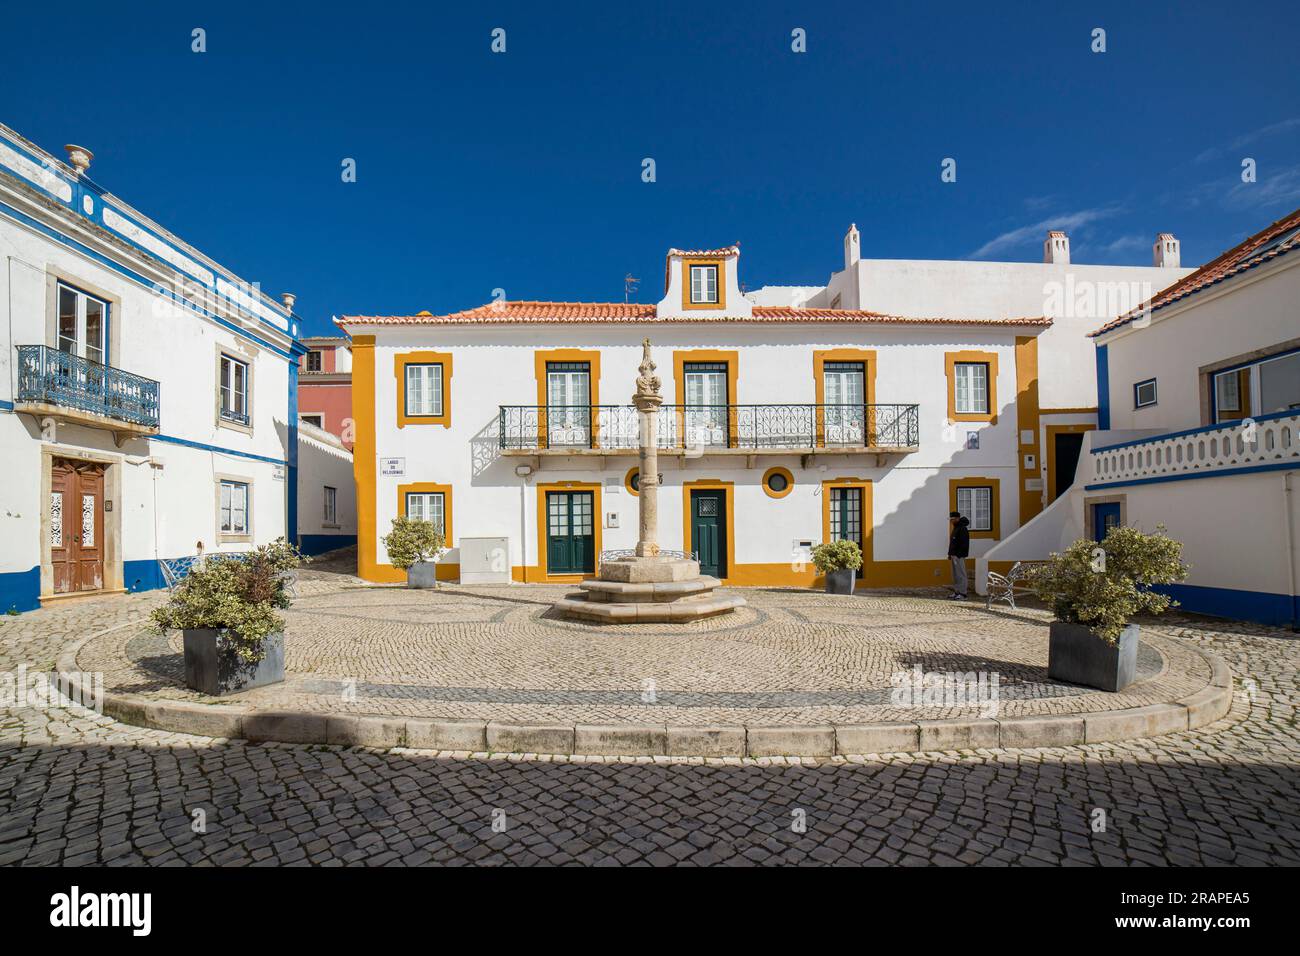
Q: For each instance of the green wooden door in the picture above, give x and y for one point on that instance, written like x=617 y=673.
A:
x=709 y=531
x=846 y=516
x=570 y=540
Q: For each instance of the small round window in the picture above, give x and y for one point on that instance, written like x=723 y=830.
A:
x=636 y=481
x=777 y=482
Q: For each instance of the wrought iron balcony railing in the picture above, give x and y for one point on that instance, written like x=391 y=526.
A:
x=48 y=376
x=759 y=427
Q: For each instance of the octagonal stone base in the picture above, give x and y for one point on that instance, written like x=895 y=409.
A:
x=649 y=570
x=649 y=589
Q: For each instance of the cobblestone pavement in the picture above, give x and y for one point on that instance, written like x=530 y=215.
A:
x=76 y=788
x=790 y=656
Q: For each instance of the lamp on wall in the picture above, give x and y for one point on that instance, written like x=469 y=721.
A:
x=523 y=471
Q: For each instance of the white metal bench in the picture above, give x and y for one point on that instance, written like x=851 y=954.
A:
x=1007 y=587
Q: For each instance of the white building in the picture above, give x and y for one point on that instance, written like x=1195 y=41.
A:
x=1198 y=431
x=791 y=416
x=327 y=499
x=147 y=395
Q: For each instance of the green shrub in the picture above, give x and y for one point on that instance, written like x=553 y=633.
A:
x=240 y=594
x=411 y=541
x=1102 y=586
x=837 y=556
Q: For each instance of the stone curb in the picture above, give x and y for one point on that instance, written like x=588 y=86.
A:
x=233 y=721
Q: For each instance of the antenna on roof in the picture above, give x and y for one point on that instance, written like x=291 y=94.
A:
x=629 y=286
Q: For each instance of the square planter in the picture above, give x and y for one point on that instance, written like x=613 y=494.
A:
x=1078 y=656
x=213 y=667
x=422 y=574
x=841 y=581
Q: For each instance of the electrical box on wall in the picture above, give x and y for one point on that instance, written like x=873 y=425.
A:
x=1030 y=463
x=611 y=519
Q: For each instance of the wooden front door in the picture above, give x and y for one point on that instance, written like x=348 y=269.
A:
x=570 y=538
x=709 y=531
x=76 y=522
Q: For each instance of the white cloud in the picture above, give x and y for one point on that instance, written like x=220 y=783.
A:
x=1247 y=138
x=1038 y=230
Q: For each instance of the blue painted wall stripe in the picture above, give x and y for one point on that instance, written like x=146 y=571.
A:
x=1222 y=473
x=217 y=448
x=139 y=279
x=1103 y=388
x=1198 y=430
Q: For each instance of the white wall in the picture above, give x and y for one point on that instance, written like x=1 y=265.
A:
x=495 y=366
x=1254 y=310
x=323 y=460
x=165 y=508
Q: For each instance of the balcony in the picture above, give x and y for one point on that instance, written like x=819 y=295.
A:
x=1264 y=442
x=69 y=388
x=697 y=430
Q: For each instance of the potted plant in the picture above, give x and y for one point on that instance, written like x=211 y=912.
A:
x=1094 y=591
x=226 y=609
x=839 y=562
x=414 y=546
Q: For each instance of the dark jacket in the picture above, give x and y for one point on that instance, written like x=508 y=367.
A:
x=959 y=541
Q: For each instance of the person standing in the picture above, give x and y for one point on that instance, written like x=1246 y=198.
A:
x=958 y=550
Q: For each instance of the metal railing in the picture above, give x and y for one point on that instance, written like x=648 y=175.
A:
x=53 y=377
x=617 y=427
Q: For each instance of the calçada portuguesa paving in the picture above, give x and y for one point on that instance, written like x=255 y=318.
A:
x=80 y=788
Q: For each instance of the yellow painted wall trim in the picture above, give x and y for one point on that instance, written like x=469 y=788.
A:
x=995 y=502
x=820 y=357
x=429 y=487
x=950 y=361
x=627 y=481
x=404 y=359
x=686 y=284
x=1027 y=419
x=597 y=520
x=592 y=358
x=1089 y=410
x=789 y=482
x=1052 y=432
x=363 y=454
x=729 y=497
x=866 y=520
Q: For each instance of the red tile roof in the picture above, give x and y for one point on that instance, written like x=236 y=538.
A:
x=1258 y=249
x=631 y=313
x=732 y=250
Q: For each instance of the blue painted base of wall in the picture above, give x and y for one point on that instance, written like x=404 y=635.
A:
x=143 y=575
x=20 y=590
x=320 y=543
x=1279 y=610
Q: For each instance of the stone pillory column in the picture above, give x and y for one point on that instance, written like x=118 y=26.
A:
x=647 y=400
x=649 y=585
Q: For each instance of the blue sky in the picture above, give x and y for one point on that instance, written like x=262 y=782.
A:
x=522 y=170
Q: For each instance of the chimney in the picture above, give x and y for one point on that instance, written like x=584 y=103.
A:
x=1056 y=248
x=288 y=298
x=852 y=246
x=79 y=157
x=1165 y=254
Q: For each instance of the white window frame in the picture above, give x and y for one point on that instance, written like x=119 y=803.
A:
x=965 y=386
x=428 y=399
x=308 y=416
x=226 y=507
x=704 y=292
x=80 y=344
x=226 y=387
x=432 y=507
x=968 y=505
